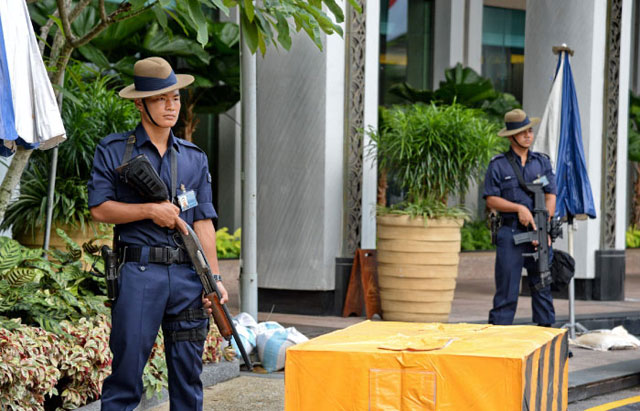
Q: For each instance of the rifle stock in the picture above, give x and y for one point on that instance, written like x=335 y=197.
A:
x=220 y=313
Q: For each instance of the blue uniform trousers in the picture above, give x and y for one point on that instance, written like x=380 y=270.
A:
x=508 y=271
x=147 y=293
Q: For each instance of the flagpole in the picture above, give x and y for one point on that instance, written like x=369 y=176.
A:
x=52 y=181
x=572 y=325
x=572 y=295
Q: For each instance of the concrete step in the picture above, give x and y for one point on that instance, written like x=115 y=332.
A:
x=590 y=382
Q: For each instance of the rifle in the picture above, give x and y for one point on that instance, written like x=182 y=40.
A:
x=221 y=315
x=140 y=174
x=545 y=228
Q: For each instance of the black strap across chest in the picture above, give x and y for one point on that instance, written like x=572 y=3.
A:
x=512 y=160
x=128 y=152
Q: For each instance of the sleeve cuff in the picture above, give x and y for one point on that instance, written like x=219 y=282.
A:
x=487 y=194
x=204 y=211
x=96 y=200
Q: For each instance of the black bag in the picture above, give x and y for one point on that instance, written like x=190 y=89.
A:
x=562 y=270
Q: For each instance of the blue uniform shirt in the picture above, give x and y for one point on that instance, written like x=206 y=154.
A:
x=501 y=180
x=193 y=173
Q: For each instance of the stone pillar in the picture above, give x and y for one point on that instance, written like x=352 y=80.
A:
x=449 y=27
x=361 y=111
x=473 y=35
x=300 y=164
x=587 y=28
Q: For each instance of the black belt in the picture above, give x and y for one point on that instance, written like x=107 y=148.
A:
x=157 y=255
x=512 y=221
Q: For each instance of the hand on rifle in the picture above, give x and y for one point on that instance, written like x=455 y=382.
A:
x=526 y=218
x=167 y=215
x=207 y=301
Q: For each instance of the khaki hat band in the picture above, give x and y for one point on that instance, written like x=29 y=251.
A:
x=513 y=125
x=153 y=83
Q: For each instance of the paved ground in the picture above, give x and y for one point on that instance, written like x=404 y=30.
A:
x=245 y=393
x=472 y=302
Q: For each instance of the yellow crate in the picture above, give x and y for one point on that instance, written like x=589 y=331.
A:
x=420 y=366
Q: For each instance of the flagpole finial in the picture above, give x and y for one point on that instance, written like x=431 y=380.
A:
x=559 y=49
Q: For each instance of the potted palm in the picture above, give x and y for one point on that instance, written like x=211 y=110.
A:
x=431 y=152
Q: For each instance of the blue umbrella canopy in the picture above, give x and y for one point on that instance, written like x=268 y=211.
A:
x=574 y=199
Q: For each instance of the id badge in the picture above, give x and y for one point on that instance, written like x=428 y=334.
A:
x=187 y=200
x=541 y=180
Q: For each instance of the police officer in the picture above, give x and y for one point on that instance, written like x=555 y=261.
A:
x=503 y=193
x=157 y=284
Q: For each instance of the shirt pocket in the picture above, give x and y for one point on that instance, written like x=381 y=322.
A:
x=508 y=189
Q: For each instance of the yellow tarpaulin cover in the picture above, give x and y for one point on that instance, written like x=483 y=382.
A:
x=399 y=366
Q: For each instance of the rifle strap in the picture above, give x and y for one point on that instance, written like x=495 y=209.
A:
x=128 y=150
x=174 y=173
x=512 y=160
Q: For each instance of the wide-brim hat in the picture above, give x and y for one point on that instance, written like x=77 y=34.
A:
x=516 y=121
x=153 y=76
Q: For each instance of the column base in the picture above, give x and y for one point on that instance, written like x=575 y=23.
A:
x=328 y=303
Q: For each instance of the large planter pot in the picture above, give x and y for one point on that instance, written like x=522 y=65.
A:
x=91 y=230
x=417 y=267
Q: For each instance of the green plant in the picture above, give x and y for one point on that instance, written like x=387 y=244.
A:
x=433 y=151
x=45 y=292
x=91 y=111
x=465 y=86
x=228 y=245
x=632 y=237
x=45 y=305
x=28 y=366
x=476 y=236
x=633 y=152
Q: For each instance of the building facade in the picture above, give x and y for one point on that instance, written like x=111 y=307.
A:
x=317 y=176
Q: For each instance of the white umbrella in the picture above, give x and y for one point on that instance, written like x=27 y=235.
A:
x=36 y=116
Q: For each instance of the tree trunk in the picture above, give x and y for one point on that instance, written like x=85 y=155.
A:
x=382 y=188
x=12 y=178
x=189 y=119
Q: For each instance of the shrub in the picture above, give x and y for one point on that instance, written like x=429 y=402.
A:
x=476 y=236
x=28 y=366
x=39 y=368
x=228 y=245
x=54 y=330
x=632 y=237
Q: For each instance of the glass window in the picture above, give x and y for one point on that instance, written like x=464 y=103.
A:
x=503 y=48
x=406 y=45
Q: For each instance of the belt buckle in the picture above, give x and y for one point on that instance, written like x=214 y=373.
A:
x=173 y=255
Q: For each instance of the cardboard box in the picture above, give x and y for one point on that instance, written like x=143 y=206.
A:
x=435 y=367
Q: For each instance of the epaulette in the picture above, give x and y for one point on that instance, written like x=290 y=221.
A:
x=545 y=155
x=189 y=144
x=115 y=137
x=497 y=156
